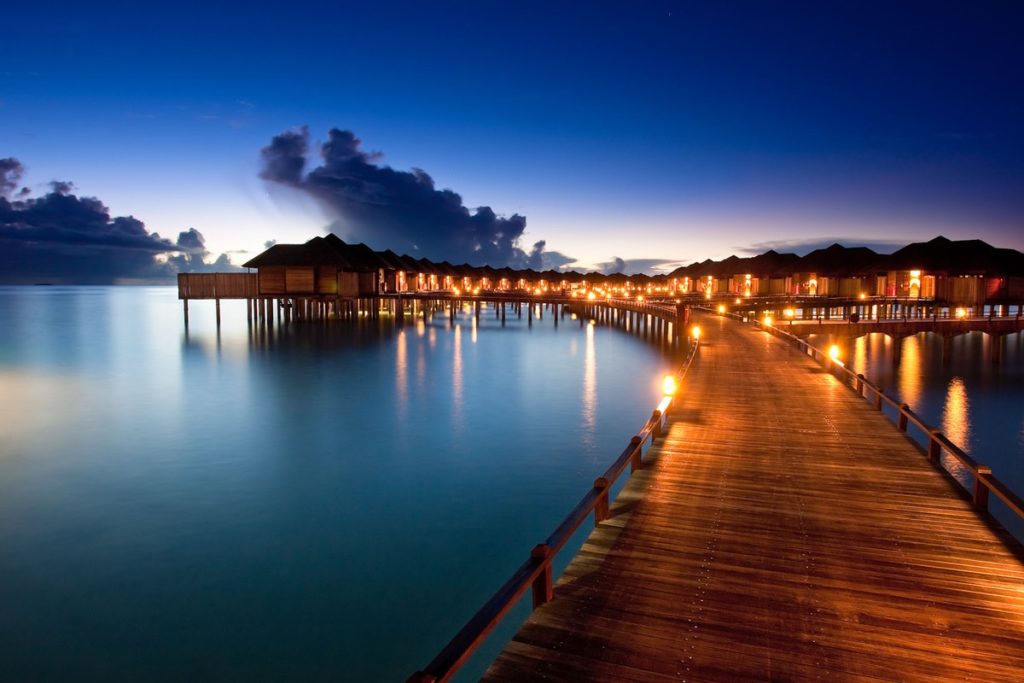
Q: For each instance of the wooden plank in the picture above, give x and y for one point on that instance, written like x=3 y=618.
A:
x=781 y=530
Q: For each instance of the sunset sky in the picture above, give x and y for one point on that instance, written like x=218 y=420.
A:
x=655 y=132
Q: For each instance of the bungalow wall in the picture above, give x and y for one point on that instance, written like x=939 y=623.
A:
x=1015 y=288
x=314 y=280
x=778 y=285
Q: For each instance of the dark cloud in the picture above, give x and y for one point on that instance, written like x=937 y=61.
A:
x=616 y=265
x=194 y=255
x=269 y=243
x=649 y=266
x=191 y=241
x=802 y=247
x=400 y=210
x=10 y=173
x=60 y=237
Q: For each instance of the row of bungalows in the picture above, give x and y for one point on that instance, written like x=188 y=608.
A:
x=330 y=267
x=965 y=272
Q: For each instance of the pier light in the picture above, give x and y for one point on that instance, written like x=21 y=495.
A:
x=695 y=332
x=863 y=295
x=789 y=312
x=739 y=301
x=591 y=296
x=833 y=354
x=639 y=297
x=767 y=321
x=456 y=291
x=669 y=386
x=536 y=292
x=961 y=313
x=476 y=291
x=721 y=308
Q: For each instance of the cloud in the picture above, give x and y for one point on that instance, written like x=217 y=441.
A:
x=541 y=259
x=10 y=174
x=399 y=210
x=649 y=266
x=60 y=237
x=804 y=246
x=194 y=255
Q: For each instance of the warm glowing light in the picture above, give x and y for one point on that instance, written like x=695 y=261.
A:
x=863 y=295
x=738 y=301
x=721 y=308
x=669 y=385
x=639 y=297
x=767 y=321
x=833 y=352
x=695 y=332
x=591 y=296
x=789 y=312
x=915 y=273
x=536 y=292
x=961 y=313
x=476 y=290
x=456 y=291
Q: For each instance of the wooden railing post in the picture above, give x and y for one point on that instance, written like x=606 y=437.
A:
x=636 y=458
x=934 y=447
x=878 y=399
x=656 y=432
x=860 y=384
x=543 y=587
x=903 y=417
x=601 y=506
x=980 y=487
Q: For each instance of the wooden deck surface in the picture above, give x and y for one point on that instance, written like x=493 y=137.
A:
x=783 y=531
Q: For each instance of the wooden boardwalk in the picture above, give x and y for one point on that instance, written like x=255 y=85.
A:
x=784 y=531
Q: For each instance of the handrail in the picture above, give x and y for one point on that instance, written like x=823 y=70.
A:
x=938 y=442
x=536 y=572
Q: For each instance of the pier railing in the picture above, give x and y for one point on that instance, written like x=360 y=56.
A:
x=982 y=480
x=536 y=572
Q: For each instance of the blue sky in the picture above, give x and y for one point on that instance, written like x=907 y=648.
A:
x=672 y=130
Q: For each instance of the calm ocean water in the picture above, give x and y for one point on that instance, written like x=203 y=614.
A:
x=324 y=502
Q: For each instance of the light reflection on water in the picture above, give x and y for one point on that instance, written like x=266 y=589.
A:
x=956 y=414
x=910 y=379
x=317 y=501
x=589 y=382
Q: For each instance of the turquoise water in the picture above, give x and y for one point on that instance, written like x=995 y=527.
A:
x=318 y=502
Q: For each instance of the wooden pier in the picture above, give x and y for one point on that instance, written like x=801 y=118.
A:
x=783 y=530
x=780 y=529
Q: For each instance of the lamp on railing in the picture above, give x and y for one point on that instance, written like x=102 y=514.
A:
x=721 y=309
x=695 y=332
x=833 y=355
x=669 y=385
x=767 y=322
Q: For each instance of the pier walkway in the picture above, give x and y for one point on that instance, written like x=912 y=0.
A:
x=781 y=530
